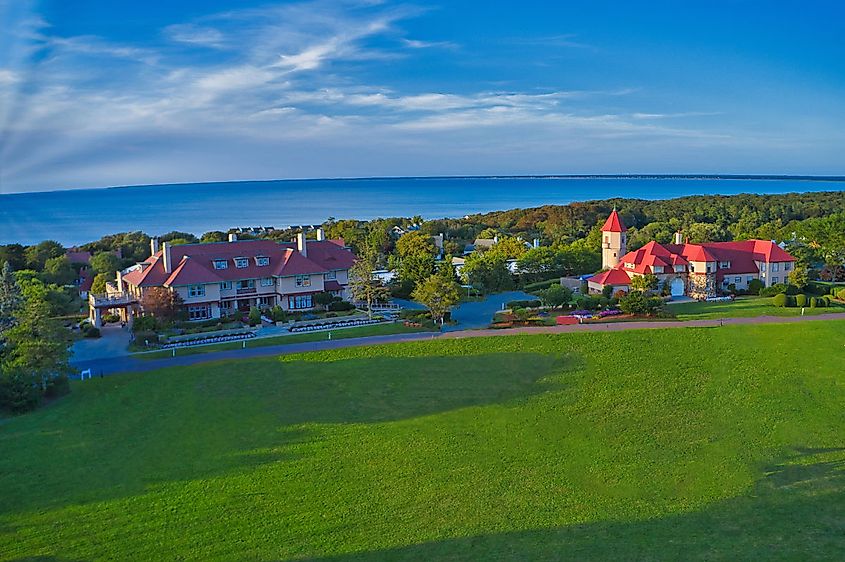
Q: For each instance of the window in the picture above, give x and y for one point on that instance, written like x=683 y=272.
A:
x=199 y=312
x=261 y=261
x=692 y=268
x=266 y=281
x=629 y=265
x=774 y=267
x=679 y=269
x=221 y=264
x=267 y=301
x=763 y=267
x=226 y=286
x=301 y=301
x=246 y=284
x=724 y=264
x=196 y=291
x=774 y=280
x=330 y=275
x=607 y=239
x=737 y=280
x=303 y=280
x=787 y=266
x=241 y=263
x=658 y=269
x=749 y=279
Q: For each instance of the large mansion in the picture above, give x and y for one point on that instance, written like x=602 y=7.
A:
x=695 y=270
x=218 y=279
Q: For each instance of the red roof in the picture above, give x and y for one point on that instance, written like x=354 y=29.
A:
x=332 y=286
x=613 y=223
x=75 y=255
x=611 y=277
x=194 y=263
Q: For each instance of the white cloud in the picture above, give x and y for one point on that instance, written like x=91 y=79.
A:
x=263 y=81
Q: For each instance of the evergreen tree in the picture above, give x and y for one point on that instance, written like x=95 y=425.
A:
x=10 y=297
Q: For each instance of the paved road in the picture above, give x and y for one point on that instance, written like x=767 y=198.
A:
x=132 y=364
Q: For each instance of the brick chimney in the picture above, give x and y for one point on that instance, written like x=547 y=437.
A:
x=168 y=261
x=679 y=238
x=301 y=244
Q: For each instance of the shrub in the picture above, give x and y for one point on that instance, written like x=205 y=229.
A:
x=143 y=336
x=144 y=324
x=790 y=301
x=755 y=286
x=822 y=302
x=638 y=303
x=779 y=300
x=775 y=289
x=813 y=302
x=254 y=316
x=340 y=306
x=92 y=332
x=801 y=300
x=57 y=386
x=841 y=294
x=792 y=290
x=278 y=314
x=513 y=305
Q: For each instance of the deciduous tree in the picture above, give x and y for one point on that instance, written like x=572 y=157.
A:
x=438 y=294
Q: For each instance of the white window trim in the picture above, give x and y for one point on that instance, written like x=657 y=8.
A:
x=244 y=261
x=196 y=291
x=267 y=282
x=221 y=264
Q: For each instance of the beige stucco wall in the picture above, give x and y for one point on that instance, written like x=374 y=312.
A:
x=613 y=246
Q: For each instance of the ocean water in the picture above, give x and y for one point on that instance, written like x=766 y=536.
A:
x=79 y=216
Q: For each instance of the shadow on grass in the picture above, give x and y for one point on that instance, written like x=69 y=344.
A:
x=795 y=512
x=126 y=436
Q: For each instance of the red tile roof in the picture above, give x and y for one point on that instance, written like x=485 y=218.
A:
x=611 y=277
x=613 y=223
x=194 y=263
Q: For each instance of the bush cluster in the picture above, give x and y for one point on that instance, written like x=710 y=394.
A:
x=783 y=300
x=513 y=305
x=341 y=306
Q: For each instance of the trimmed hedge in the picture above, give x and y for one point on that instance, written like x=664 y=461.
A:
x=801 y=301
x=841 y=294
x=513 y=305
x=780 y=300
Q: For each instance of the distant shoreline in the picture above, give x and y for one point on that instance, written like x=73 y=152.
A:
x=726 y=177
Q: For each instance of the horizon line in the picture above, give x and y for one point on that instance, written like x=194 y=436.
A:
x=691 y=176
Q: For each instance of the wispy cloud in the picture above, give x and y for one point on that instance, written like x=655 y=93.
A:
x=255 y=89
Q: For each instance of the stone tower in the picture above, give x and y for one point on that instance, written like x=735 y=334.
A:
x=613 y=240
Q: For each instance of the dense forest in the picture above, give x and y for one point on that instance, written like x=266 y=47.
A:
x=811 y=224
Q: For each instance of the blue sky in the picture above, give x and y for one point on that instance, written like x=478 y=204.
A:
x=101 y=93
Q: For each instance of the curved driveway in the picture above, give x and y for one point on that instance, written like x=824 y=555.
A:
x=126 y=364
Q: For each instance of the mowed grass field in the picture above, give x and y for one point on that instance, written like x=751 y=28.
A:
x=678 y=444
x=744 y=307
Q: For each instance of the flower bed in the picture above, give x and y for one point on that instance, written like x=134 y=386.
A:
x=331 y=325
x=209 y=339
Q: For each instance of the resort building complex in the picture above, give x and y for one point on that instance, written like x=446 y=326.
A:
x=218 y=279
x=695 y=270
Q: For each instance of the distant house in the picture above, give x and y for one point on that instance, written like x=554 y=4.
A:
x=384 y=275
x=458 y=264
x=696 y=270
x=485 y=243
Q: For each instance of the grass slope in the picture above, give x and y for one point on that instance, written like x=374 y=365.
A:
x=744 y=307
x=695 y=444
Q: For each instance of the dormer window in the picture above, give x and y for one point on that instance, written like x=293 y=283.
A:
x=241 y=263
x=221 y=264
x=262 y=261
x=724 y=265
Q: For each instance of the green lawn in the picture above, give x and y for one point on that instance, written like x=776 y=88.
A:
x=678 y=444
x=338 y=334
x=743 y=307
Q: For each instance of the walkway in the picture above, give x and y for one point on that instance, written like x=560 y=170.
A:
x=132 y=364
x=113 y=343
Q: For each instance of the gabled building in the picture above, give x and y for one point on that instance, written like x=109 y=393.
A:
x=221 y=278
x=696 y=270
